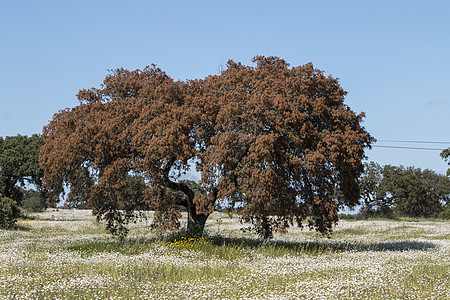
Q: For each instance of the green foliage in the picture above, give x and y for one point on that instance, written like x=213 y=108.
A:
x=391 y=192
x=446 y=156
x=383 y=212
x=9 y=212
x=415 y=193
x=445 y=214
x=348 y=216
x=19 y=164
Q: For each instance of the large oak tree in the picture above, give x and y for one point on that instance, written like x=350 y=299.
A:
x=273 y=140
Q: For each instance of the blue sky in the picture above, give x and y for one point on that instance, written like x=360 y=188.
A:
x=391 y=56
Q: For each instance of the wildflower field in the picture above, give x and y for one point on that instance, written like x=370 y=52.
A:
x=66 y=255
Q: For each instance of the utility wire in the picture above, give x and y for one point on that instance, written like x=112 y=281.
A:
x=410 y=142
x=414 y=142
x=411 y=148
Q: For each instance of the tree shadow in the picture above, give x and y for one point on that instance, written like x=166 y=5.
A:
x=321 y=246
x=402 y=246
x=135 y=245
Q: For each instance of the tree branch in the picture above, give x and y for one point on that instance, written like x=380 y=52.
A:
x=177 y=186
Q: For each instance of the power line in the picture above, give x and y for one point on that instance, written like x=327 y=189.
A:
x=410 y=148
x=414 y=142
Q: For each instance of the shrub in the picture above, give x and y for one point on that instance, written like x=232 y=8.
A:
x=348 y=216
x=445 y=214
x=383 y=212
x=9 y=212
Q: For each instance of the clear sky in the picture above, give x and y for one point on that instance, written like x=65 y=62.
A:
x=393 y=57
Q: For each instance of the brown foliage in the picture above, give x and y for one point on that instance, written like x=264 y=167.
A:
x=274 y=140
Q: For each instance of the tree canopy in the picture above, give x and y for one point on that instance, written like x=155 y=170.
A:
x=410 y=192
x=273 y=140
x=415 y=192
x=19 y=164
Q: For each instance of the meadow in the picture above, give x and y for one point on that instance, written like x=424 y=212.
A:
x=66 y=254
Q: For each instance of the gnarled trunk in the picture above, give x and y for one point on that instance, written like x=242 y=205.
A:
x=364 y=212
x=196 y=222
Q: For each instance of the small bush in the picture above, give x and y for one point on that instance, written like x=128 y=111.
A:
x=382 y=213
x=9 y=212
x=348 y=216
x=445 y=214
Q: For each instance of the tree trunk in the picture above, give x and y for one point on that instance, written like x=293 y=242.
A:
x=196 y=222
x=364 y=212
x=266 y=229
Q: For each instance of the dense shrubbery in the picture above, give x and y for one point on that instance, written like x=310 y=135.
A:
x=9 y=212
x=383 y=213
x=348 y=216
x=378 y=213
x=445 y=214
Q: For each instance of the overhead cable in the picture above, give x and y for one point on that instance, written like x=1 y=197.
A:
x=413 y=142
x=410 y=148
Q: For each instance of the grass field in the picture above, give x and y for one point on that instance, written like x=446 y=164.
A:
x=66 y=255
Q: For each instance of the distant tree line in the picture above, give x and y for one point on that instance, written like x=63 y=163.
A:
x=403 y=192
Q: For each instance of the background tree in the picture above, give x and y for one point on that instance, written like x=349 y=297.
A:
x=19 y=167
x=371 y=193
x=275 y=140
x=33 y=201
x=415 y=193
x=19 y=164
x=445 y=154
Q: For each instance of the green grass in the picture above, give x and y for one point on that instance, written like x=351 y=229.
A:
x=129 y=247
